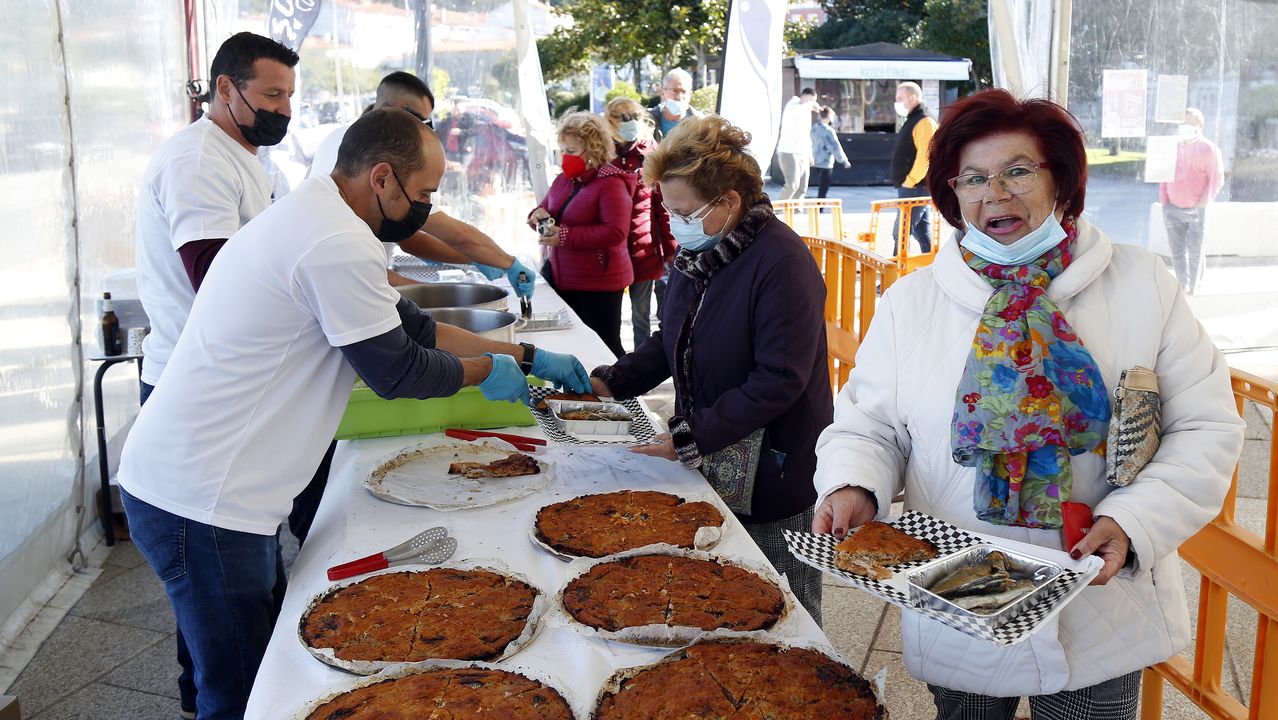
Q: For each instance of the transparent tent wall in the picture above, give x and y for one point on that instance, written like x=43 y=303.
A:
x=68 y=186
x=474 y=78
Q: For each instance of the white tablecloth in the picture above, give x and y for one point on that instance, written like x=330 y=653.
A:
x=352 y=523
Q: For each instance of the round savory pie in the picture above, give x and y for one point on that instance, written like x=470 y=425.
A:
x=414 y=616
x=672 y=590
x=751 y=680
x=449 y=693
x=599 y=525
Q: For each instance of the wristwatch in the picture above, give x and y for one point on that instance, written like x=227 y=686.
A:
x=526 y=364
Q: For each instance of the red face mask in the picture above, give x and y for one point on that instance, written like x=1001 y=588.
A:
x=573 y=165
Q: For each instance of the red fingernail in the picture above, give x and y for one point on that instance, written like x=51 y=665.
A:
x=838 y=532
x=1076 y=554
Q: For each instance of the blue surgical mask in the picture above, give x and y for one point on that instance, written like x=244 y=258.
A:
x=628 y=130
x=676 y=107
x=691 y=234
x=1022 y=252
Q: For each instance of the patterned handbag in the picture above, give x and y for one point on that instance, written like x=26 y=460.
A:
x=1135 y=428
x=732 y=470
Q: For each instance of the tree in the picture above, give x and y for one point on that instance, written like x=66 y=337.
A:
x=625 y=32
x=959 y=28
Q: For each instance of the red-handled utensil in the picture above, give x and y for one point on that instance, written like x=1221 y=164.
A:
x=527 y=444
x=429 y=547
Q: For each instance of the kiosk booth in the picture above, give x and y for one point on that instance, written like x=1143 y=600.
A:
x=859 y=82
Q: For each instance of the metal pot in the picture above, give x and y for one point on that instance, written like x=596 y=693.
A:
x=492 y=324
x=455 y=295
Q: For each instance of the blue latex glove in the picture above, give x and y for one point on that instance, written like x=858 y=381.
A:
x=490 y=272
x=563 y=370
x=506 y=381
x=525 y=288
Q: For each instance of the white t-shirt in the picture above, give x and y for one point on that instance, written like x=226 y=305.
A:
x=323 y=162
x=256 y=385
x=796 y=127
x=200 y=185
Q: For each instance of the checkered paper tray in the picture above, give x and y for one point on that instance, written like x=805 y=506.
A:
x=641 y=429
x=818 y=551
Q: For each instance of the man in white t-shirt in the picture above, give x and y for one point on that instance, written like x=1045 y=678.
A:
x=295 y=306
x=443 y=239
x=200 y=187
x=794 y=144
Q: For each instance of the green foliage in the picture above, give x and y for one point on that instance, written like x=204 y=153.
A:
x=705 y=99
x=795 y=35
x=320 y=74
x=622 y=32
x=621 y=88
x=959 y=28
x=857 y=22
x=566 y=101
x=441 y=84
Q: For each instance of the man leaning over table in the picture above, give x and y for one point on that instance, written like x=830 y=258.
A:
x=443 y=238
x=296 y=305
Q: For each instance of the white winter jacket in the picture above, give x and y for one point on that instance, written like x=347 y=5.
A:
x=891 y=432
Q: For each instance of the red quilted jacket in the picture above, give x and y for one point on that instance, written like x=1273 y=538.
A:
x=651 y=244
x=593 y=228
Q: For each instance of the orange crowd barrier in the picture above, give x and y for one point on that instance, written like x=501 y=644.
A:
x=903 y=259
x=854 y=278
x=1233 y=561
x=814 y=210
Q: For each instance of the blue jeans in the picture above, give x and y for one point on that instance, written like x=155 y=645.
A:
x=641 y=310
x=225 y=588
x=920 y=220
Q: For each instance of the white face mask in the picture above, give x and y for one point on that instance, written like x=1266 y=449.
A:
x=676 y=107
x=1024 y=251
x=900 y=108
x=628 y=130
x=1187 y=132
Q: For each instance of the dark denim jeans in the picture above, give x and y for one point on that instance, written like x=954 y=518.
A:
x=225 y=588
x=920 y=220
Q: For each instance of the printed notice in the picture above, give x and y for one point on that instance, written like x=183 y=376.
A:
x=1169 y=105
x=1160 y=158
x=1124 y=100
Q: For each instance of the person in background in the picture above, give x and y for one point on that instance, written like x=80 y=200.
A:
x=584 y=221
x=743 y=337
x=981 y=391
x=296 y=305
x=826 y=151
x=1199 y=177
x=650 y=244
x=794 y=146
x=910 y=163
x=199 y=188
x=443 y=239
x=676 y=91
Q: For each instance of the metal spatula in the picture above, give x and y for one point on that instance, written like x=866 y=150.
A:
x=421 y=545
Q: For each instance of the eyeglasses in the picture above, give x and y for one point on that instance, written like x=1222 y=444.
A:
x=698 y=214
x=1014 y=179
x=428 y=121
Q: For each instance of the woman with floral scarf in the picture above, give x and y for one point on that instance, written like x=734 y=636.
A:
x=982 y=391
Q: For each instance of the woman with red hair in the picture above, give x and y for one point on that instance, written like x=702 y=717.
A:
x=982 y=392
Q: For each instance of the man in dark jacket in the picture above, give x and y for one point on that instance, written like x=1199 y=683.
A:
x=909 y=161
x=676 y=91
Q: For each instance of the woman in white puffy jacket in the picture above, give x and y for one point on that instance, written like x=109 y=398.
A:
x=982 y=392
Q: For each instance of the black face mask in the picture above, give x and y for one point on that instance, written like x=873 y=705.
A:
x=268 y=128
x=397 y=230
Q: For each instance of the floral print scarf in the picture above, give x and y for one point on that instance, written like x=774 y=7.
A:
x=1030 y=396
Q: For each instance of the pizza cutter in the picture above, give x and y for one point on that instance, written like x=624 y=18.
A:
x=429 y=547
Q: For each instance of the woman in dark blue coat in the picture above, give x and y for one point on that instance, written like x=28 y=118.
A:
x=743 y=336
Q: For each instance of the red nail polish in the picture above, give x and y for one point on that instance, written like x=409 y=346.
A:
x=1076 y=554
x=838 y=533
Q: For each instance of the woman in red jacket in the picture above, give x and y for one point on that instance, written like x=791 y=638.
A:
x=584 y=220
x=650 y=243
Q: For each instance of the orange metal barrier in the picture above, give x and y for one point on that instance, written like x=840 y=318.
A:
x=1233 y=561
x=903 y=259
x=854 y=278
x=788 y=209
